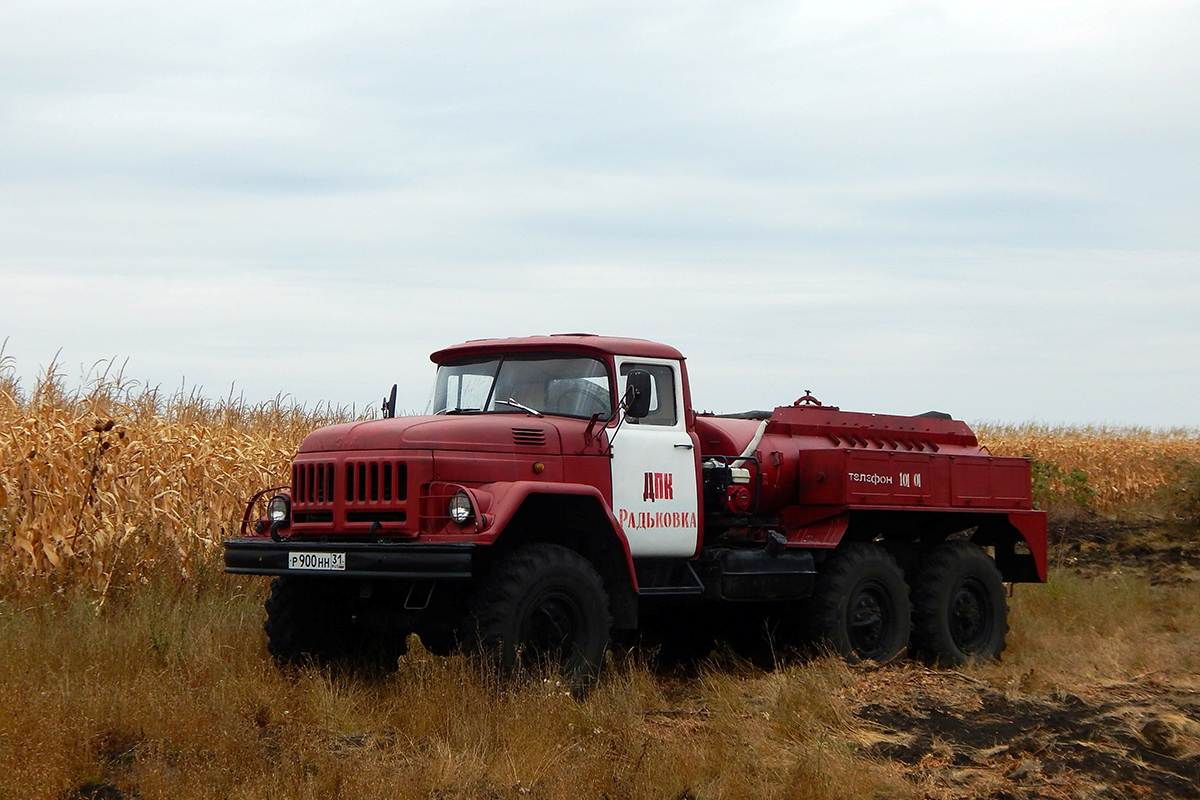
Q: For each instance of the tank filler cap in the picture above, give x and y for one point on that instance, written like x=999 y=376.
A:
x=807 y=399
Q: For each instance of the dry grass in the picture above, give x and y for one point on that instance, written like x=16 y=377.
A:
x=171 y=695
x=1080 y=629
x=1126 y=467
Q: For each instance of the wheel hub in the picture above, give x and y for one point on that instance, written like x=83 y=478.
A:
x=970 y=624
x=870 y=617
x=551 y=627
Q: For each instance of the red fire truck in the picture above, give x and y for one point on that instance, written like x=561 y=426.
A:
x=561 y=492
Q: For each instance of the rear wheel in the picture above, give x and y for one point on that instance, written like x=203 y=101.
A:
x=960 y=612
x=860 y=607
x=543 y=605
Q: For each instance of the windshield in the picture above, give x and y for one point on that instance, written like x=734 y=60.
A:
x=571 y=387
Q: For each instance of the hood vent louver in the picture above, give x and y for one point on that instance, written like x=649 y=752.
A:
x=529 y=437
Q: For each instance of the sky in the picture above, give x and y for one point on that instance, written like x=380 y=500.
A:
x=983 y=208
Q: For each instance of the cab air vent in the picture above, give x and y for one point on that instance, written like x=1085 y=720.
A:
x=535 y=437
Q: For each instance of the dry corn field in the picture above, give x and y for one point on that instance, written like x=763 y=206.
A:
x=115 y=483
x=1125 y=466
x=110 y=484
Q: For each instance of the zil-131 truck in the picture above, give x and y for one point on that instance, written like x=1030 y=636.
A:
x=561 y=493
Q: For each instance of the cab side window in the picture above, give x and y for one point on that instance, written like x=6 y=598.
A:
x=662 y=393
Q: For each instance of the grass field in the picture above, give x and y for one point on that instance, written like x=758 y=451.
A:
x=131 y=667
x=168 y=693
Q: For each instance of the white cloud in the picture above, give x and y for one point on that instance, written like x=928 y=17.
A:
x=891 y=203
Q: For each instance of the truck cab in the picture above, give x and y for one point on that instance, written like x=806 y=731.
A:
x=644 y=464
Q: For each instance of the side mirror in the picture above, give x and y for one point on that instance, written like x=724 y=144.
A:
x=389 y=404
x=637 y=394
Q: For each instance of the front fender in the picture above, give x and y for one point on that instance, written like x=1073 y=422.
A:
x=501 y=503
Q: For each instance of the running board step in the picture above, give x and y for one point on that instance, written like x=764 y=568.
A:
x=661 y=576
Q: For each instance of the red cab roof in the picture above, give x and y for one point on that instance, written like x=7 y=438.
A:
x=558 y=343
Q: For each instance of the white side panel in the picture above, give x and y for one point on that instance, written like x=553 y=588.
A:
x=655 y=496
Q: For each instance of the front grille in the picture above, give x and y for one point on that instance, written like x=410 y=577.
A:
x=357 y=492
x=376 y=481
x=312 y=483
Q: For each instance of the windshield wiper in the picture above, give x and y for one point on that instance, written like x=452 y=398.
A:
x=522 y=406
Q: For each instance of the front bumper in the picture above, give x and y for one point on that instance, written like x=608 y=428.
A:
x=248 y=556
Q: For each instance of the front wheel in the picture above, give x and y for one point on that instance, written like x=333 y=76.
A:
x=306 y=622
x=960 y=613
x=860 y=607
x=543 y=605
x=313 y=621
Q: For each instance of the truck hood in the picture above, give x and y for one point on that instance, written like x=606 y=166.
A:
x=501 y=433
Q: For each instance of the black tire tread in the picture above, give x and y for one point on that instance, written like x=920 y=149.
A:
x=493 y=605
x=837 y=578
x=294 y=634
x=309 y=622
x=942 y=565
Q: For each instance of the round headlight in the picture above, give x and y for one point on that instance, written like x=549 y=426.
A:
x=279 y=508
x=460 y=509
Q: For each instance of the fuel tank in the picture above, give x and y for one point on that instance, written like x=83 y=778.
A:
x=813 y=455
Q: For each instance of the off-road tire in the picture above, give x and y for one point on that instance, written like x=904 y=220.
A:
x=541 y=606
x=860 y=607
x=311 y=622
x=960 y=611
x=300 y=628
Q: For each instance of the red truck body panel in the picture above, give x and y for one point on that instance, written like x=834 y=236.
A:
x=813 y=467
x=825 y=457
x=349 y=477
x=562 y=343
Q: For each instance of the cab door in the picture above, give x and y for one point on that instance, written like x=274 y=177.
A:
x=654 y=468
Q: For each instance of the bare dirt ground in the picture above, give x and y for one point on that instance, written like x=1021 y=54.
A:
x=1095 y=546
x=956 y=736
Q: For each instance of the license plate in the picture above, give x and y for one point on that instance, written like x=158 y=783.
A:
x=320 y=561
